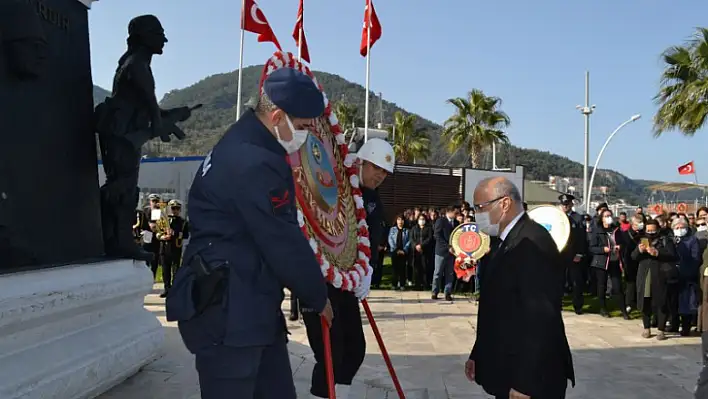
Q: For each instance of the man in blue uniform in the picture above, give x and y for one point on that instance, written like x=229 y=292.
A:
x=246 y=246
x=347 y=333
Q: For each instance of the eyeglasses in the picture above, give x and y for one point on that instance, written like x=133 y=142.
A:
x=479 y=207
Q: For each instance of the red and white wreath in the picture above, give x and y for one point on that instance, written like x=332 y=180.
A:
x=350 y=279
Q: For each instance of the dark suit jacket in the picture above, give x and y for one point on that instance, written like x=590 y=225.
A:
x=521 y=342
x=442 y=230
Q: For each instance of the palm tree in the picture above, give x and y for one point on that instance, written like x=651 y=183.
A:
x=409 y=143
x=477 y=123
x=683 y=97
x=347 y=115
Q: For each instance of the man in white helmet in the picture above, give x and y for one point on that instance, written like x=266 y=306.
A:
x=347 y=334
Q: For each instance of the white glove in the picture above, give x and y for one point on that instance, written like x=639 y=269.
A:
x=362 y=290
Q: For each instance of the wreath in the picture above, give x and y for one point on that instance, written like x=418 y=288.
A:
x=344 y=279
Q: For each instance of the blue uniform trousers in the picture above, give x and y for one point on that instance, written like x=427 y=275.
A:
x=227 y=372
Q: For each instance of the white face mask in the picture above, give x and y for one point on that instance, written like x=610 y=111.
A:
x=485 y=224
x=608 y=220
x=702 y=227
x=299 y=137
x=680 y=232
x=421 y=223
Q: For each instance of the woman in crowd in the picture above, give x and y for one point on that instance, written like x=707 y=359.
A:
x=631 y=238
x=398 y=244
x=689 y=262
x=421 y=239
x=656 y=257
x=605 y=246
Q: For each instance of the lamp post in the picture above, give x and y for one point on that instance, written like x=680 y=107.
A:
x=599 y=156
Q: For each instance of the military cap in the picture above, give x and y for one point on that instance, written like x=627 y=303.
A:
x=295 y=93
x=566 y=199
x=154 y=197
x=175 y=203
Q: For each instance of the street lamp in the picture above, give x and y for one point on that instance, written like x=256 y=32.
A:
x=597 y=161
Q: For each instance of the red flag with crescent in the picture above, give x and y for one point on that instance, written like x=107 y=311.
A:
x=372 y=35
x=687 y=169
x=299 y=32
x=253 y=20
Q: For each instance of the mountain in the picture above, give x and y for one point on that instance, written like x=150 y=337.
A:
x=99 y=94
x=217 y=93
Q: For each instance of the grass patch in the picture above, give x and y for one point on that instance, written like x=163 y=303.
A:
x=592 y=306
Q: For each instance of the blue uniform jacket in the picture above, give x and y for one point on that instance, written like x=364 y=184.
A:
x=243 y=215
x=393 y=235
x=375 y=219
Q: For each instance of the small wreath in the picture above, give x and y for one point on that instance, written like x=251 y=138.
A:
x=346 y=280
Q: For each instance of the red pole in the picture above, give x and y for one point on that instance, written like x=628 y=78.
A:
x=328 y=359
x=384 y=352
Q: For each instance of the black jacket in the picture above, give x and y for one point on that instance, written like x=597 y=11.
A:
x=375 y=218
x=422 y=236
x=523 y=287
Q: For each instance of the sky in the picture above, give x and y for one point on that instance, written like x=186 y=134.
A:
x=533 y=55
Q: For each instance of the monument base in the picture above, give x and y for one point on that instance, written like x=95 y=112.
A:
x=74 y=332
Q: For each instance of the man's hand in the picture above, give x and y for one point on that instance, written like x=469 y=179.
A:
x=469 y=370
x=401 y=252
x=607 y=250
x=653 y=252
x=514 y=394
x=419 y=248
x=642 y=248
x=328 y=313
x=577 y=258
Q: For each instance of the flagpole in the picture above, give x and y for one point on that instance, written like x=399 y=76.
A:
x=299 y=39
x=368 y=71
x=240 y=60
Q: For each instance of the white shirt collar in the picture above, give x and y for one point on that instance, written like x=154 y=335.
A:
x=510 y=226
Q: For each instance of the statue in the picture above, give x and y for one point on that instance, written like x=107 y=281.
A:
x=124 y=123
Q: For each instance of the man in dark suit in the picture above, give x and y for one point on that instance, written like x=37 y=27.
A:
x=444 y=257
x=523 y=287
x=574 y=252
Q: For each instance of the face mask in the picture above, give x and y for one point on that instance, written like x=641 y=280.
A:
x=608 y=220
x=485 y=224
x=702 y=227
x=421 y=223
x=650 y=233
x=299 y=138
x=680 y=232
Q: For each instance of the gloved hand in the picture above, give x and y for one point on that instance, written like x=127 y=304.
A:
x=362 y=290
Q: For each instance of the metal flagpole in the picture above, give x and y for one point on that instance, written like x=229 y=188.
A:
x=240 y=60
x=299 y=38
x=368 y=69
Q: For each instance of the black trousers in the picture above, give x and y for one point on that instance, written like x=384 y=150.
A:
x=576 y=277
x=346 y=336
x=400 y=264
x=419 y=273
x=615 y=275
x=672 y=306
x=170 y=259
x=649 y=309
x=630 y=288
x=293 y=304
x=155 y=249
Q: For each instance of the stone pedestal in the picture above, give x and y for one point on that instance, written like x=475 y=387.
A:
x=73 y=332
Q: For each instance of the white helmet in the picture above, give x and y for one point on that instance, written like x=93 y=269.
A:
x=379 y=152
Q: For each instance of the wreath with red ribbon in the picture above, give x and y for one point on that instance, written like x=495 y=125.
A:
x=345 y=279
x=465 y=267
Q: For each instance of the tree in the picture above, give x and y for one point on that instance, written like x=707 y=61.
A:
x=409 y=143
x=348 y=117
x=683 y=96
x=476 y=124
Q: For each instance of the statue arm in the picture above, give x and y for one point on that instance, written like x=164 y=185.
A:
x=145 y=82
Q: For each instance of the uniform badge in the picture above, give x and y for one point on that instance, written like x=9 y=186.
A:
x=280 y=200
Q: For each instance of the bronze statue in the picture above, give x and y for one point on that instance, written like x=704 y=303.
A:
x=124 y=122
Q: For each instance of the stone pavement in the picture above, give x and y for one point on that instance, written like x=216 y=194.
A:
x=429 y=342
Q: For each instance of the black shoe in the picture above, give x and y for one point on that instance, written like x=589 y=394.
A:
x=578 y=311
x=448 y=297
x=625 y=315
x=434 y=297
x=604 y=313
x=164 y=294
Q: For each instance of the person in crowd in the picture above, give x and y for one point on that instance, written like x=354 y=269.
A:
x=605 y=246
x=433 y=216
x=444 y=254
x=631 y=239
x=689 y=262
x=525 y=289
x=573 y=254
x=664 y=225
x=702 y=213
x=640 y=211
x=460 y=218
x=702 y=234
x=691 y=220
x=150 y=242
x=624 y=224
x=655 y=255
x=399 y=244
x=421 y=238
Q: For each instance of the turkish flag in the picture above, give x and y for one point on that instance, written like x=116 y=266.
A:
x=371 y=35
x=687 y=169
x=300 y=30
x=253 y=20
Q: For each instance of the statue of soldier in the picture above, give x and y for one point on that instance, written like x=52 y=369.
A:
x=126 y=121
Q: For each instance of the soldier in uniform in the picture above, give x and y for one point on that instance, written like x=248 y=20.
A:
x=246 y=246
x=171 y=244
x=347 y=334
x=150 y=243
x=574 y=252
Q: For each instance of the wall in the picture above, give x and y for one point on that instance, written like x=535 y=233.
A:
x=474 y=176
